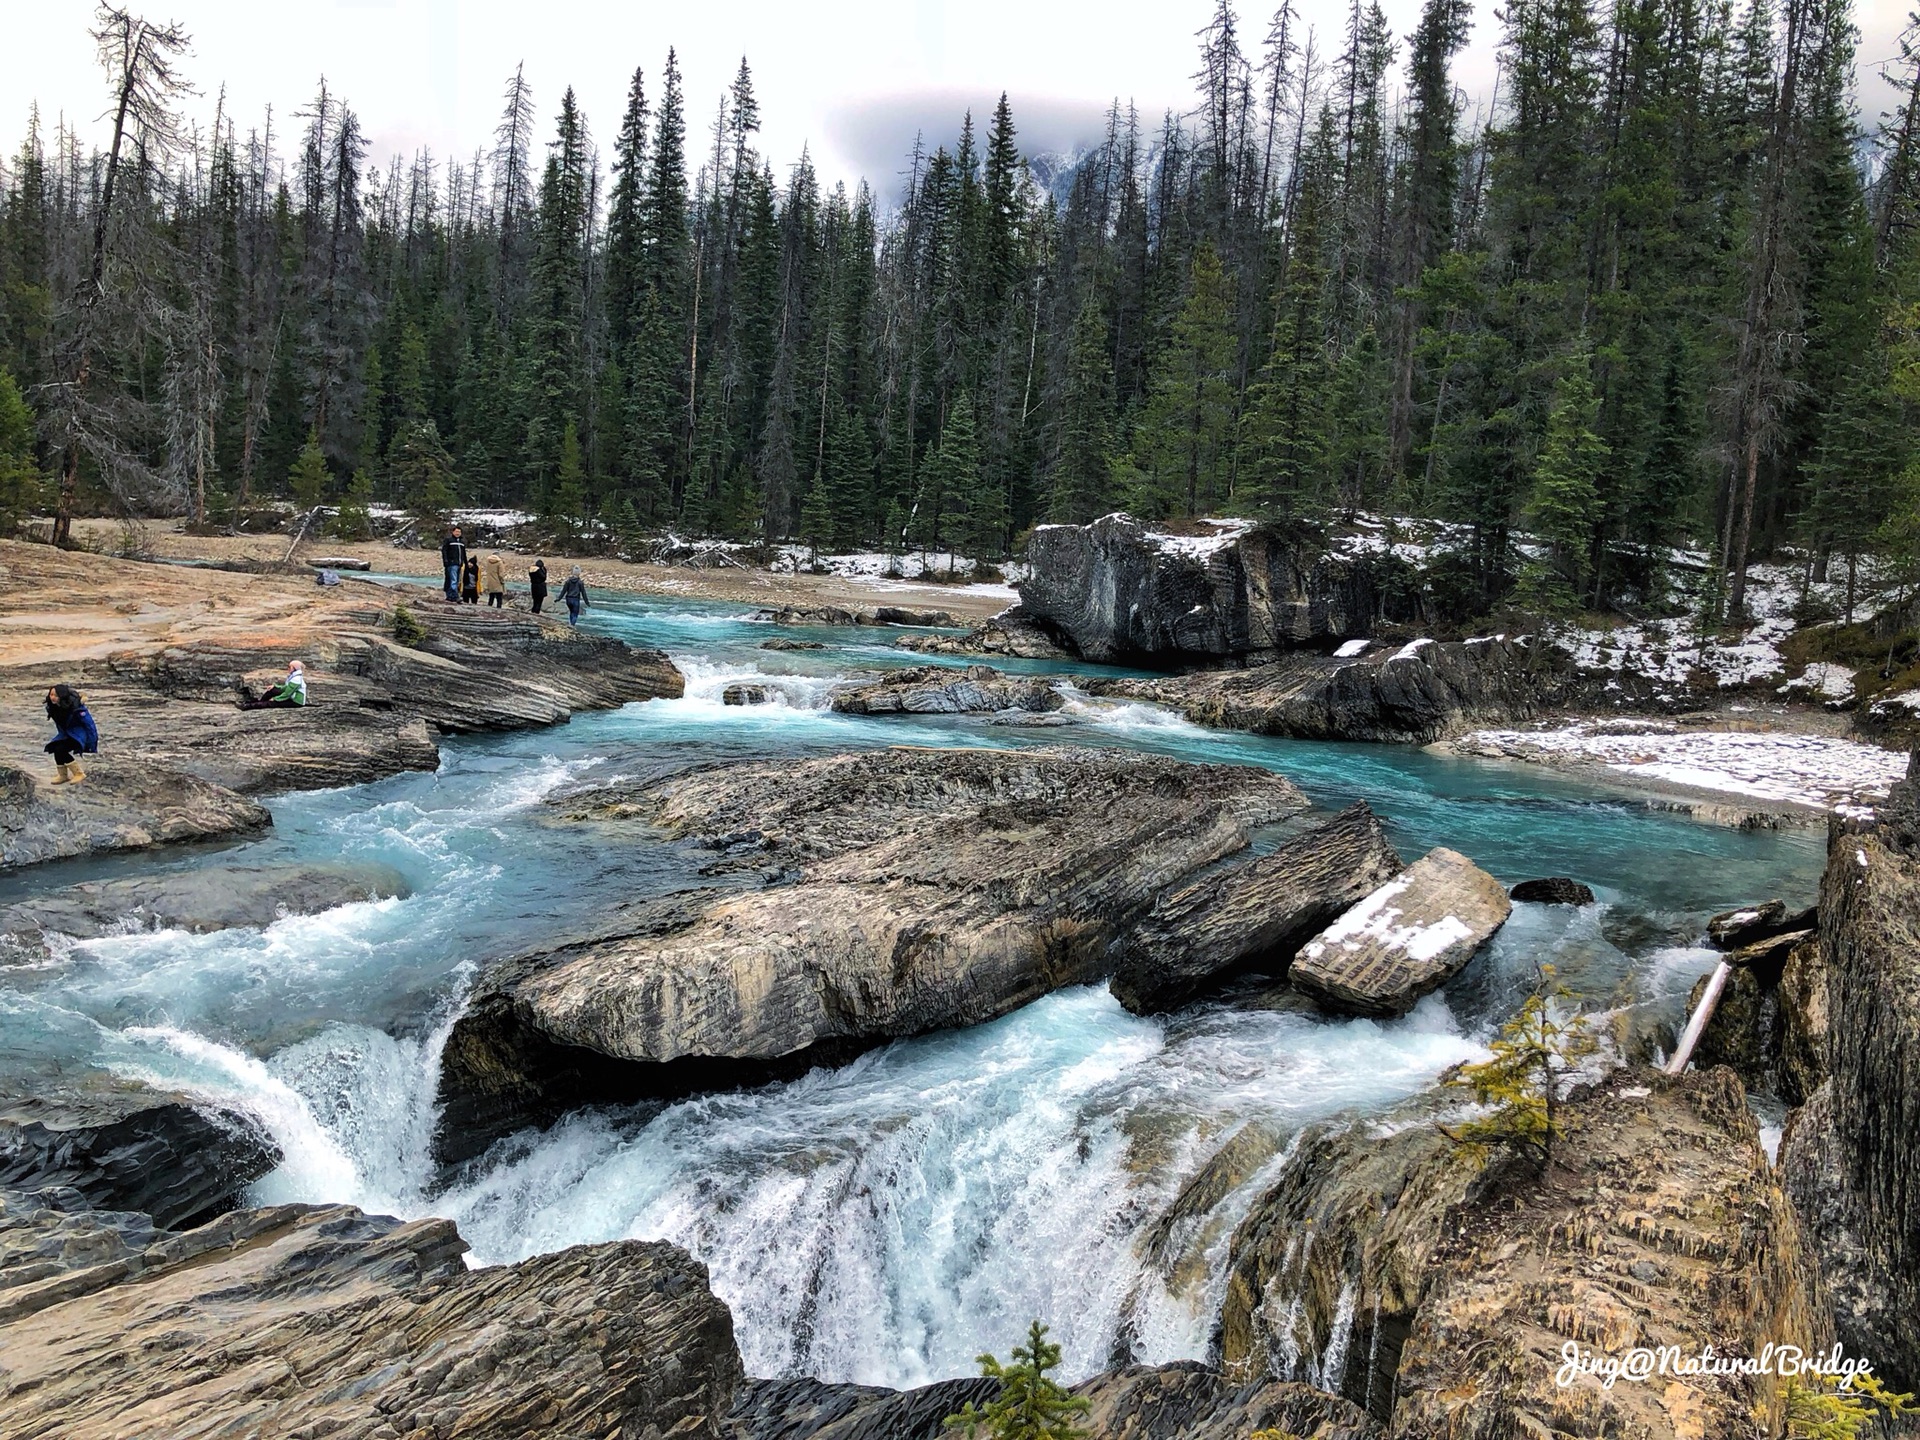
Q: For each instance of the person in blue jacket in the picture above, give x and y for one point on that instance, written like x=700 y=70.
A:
x=78 y=734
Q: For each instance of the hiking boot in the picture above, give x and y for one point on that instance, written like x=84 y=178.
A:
x=75 y=774
x=65 y=775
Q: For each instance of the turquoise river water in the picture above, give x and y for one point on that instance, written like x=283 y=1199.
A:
x=887 y=1221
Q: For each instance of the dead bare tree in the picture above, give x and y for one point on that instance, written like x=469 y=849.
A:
x=140 y=59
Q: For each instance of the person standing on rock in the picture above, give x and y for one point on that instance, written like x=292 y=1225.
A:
x=537 y=584
x=77 y=736
x=289 y=694
x=493 y=581
x=470 y=580
x=574 y=592
x=453 y=560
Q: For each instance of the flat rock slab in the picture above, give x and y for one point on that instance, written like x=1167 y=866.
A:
x=1252 y=915
x=919 y=890
x=304 y=1320
x=944 y=690
x=1406 y=938
x=121 y=805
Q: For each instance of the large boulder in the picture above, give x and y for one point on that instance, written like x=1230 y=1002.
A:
x=944 y=690
x=303 y=1320
x=1408 y=937
x=921 y=889
x=1252 y=916
x=1423 y=691
x=1117 y=593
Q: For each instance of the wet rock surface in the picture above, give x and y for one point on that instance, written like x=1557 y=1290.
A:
x=1408 y=937
x=122 y=1146
x=305 y=1320
x=1117 y=594
x=198 y=900
x=1253 y=915
x=842 y=615
x=1422 y=692
x=921 y=889
x=944 y=690
x=1555 y=890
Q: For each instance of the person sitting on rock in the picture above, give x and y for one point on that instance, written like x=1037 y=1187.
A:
x=78 y=734
x=470 y=580
x=574 y=592
x=493 y=581
x=289 y=694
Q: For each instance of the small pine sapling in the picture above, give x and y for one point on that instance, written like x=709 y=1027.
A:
x=1520 y=1084
x=1030 y=1406
x=1825 y=1410
x=407 y=630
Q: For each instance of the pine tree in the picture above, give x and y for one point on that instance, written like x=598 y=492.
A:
x=1565 y=499
x=1520 y=1084
x=354 y=519
x=567 y=502
x=1080 y=476
x=1183 y=445
x=19 y=476
x=1030 y=1404
x=308 y=480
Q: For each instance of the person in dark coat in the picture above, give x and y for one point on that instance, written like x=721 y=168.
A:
x=537 y=584
x=77 y=736
x=453 y=561
x=574 y=592
x=470 y=580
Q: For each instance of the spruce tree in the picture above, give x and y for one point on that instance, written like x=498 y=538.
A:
x=1183 y=444
x=20 y=482
x=1080 y=476
x=1564 y=503
x=1030 y=1404
x=308 y=480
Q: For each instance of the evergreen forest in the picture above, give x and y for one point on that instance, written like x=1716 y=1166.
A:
x=1659 y=290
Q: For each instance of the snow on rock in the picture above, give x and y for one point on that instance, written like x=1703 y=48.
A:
x=1410 y=650
x=1225 y=532
x=1815 y=770
x=1406 y=938
x=1352 y=648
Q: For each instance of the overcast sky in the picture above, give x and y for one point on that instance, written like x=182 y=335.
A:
x=851 y=79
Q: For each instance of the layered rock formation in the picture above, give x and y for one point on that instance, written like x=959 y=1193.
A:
x=1181 y=1401
x=122 y=805
x=1852 y=1155
x=1422 y=692
x=304 y=1320
x=1011 y=632
x=121 y=1146
x=1408 y=937
x=161 y=653
x=943 y=690
x=923 y=889
x=1251 y=916
x=199 y=900
x=1660 y=1223
x=1117 y=594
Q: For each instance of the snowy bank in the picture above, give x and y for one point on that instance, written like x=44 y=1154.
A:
x=1819 y=771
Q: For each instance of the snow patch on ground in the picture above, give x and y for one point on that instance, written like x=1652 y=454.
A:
x=1822 y=681
x=1815 y=770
